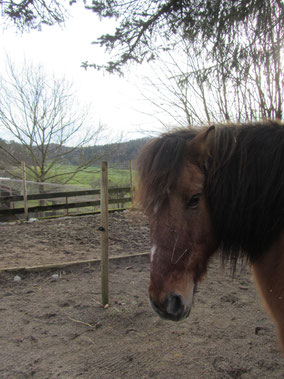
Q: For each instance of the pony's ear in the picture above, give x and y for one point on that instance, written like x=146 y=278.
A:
x=208 y=142
x=202 y=145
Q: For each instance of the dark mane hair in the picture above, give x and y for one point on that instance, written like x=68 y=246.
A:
x=159 y=165
x=245 y=187
x=244 y=182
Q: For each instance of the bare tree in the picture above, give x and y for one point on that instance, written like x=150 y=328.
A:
x=194 y=88
x=41 y=113
x=176 y=87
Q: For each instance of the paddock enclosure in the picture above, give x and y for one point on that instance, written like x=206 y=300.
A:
x=53 y=326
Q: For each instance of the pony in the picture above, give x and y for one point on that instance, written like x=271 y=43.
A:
x=215 y=189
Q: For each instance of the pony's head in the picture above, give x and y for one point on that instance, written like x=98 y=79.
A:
x=172 y=181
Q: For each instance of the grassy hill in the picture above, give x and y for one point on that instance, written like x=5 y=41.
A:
x=117 y=155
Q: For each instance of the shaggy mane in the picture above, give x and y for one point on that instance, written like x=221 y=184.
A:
x=245 y=188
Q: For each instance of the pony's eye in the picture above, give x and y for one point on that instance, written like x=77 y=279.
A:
x=193 y=202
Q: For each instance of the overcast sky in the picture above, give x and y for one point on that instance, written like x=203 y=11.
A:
x=116 y=102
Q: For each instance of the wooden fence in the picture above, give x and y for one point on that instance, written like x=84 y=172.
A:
x=66 y=205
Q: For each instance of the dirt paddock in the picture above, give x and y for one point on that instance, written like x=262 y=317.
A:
x=55 y=327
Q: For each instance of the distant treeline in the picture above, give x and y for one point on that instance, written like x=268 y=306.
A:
x=117 y=154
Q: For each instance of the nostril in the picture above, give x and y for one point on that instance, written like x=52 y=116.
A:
x=177 y=303
x=174 y=305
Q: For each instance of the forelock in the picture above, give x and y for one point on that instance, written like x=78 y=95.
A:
x=159 y=166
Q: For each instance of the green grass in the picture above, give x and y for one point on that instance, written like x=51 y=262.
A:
x=88 y=178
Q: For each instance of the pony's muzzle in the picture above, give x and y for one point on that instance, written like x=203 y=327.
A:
x=173 y=308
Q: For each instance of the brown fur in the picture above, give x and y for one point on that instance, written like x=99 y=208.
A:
x=180 y=259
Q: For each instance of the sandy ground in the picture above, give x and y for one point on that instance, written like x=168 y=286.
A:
x=71 y=239
x=56 y=327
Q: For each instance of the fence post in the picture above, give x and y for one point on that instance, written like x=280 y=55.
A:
x=131 y=181
x=104 y=232
x=66 y=206
x=25 y=195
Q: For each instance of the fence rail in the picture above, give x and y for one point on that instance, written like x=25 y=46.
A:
x=65 y=206
x=53 y=195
